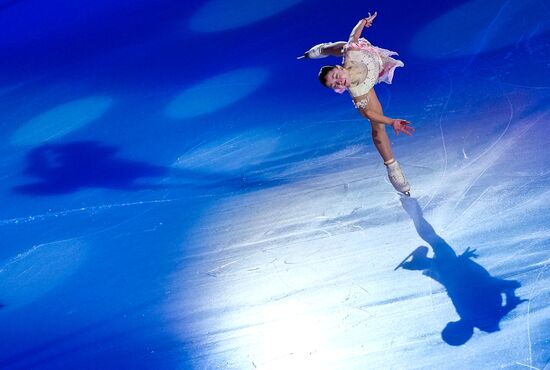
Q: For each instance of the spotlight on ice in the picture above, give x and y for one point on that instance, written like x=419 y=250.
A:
x=216 y=93
x=61 y=120
x=33 y=273
x=222 y=15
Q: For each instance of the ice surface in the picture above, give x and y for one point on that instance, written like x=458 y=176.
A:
x=258 y=230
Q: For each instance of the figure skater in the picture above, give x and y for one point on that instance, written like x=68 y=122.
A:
x=365 y=65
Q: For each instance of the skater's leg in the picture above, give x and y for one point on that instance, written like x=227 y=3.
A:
x=379 y=134
x=382 y=143
x=442 y=250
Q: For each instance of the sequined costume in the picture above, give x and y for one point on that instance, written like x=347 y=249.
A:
x=368 y=65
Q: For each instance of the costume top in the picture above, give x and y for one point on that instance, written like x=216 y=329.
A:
x=368 y=65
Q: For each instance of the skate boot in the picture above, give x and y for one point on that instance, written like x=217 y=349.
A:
x=316 y=52
x=397 y=178
x=419 y=260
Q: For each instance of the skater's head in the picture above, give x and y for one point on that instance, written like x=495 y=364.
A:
x=335 y=78
x=456 y=333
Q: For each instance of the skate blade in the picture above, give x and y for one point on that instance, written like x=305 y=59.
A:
x=404 y=260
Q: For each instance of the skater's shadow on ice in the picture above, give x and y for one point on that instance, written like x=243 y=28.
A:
x=480 y=300
x=64 y=168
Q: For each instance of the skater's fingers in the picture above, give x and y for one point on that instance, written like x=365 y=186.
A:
x=405 y=126
x=406 y=130
x=402 y=125
x=370 y=18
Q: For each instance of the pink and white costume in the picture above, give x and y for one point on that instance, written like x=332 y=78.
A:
x=368 y=66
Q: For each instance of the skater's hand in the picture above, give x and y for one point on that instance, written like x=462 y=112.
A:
x=401 y=125
x=469 y=253
x=370 y=19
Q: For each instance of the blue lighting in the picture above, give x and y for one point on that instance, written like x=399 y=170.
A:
x=480 y=26
x=180 y=192
x=33 y=273
x=222 y=15
x=61 y=120
x=216 y=93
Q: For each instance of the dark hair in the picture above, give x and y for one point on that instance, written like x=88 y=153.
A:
x=323 y=74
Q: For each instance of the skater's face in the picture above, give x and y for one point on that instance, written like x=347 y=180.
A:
x=337 y=79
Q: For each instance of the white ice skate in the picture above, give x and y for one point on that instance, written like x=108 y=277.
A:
x=316 y=52
x=397 y=178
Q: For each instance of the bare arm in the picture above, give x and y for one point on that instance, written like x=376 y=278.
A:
x=399 y=125
x=375 y=117
x=336 y=48
x=358 y=29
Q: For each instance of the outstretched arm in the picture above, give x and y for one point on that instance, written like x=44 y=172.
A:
x=358 y=29
x=398 y=125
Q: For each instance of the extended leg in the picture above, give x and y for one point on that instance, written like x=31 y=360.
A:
x=381 y=141
x=379 y=134
x=382 y=144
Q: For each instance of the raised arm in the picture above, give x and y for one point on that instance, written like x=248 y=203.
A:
x=336 y=48
x=358 y=29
